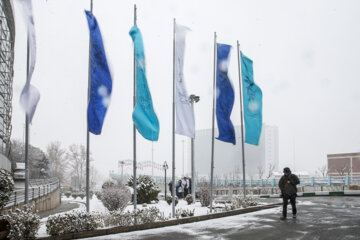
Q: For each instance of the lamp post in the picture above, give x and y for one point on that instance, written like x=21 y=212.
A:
x=122 y=170
x=193 y=99
x=165 y=167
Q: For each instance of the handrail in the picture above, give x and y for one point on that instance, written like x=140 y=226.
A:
x=40 y=187
x=273 y=182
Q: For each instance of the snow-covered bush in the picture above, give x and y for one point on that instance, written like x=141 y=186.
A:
x=204 y=194
x=146 y=188
x=147 y=215
x=24 y=224
x=6 y=187
x=74 y=195
x=68 y=194
x=115 y=197
x=169 y=199
x=187 y=213
x=75 y=221
x=81 y=195
x=117 y=218
x=189 y=199
x=238 y=202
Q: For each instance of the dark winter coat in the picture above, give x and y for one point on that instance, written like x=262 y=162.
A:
x=287 y=185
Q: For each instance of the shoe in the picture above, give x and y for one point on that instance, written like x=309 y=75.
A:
x=282 y=218
x=294 y=215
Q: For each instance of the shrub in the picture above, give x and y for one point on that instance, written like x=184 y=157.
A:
x=117 y=218
x=169 y=200
x=24 y=224
x=187 y=213
x=147 y=215
x=204 y=194
x=74 y=195
x=6 y=187
x=68 y=194
x=81 y=195
x=146 y=188
x=239 y=202
x=70 y=222
x=98 y=194
x=189 y=199
x=115 y=197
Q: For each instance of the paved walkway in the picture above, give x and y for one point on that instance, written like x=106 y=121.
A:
x=318 y=218
x=63 y=207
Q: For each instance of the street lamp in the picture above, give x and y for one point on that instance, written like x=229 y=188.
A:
x=165 y=167
x=193 y=99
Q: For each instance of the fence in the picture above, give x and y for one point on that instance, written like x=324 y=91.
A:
x=38 y=188
x=309 y=181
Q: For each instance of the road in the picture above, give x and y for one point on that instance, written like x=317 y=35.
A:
x=318 y=218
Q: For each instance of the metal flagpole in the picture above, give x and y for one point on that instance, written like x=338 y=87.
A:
x=193 y=99
x=213 y=122
x=27 y=136
x=173 y=129
x=241 y=117
x=87 y=131
x=134 y=128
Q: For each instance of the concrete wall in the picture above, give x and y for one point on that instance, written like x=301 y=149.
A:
x=44 y=203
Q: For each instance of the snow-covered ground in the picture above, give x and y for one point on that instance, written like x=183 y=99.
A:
x=96 y=205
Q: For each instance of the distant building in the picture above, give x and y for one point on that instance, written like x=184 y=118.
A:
x=7 y=41
x=228 y=157
x=343 y=164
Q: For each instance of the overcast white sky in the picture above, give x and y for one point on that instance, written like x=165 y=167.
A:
x=306 y=60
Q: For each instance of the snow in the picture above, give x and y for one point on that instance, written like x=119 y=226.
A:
x=163 y=206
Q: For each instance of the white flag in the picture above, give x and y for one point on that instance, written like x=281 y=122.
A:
x=185 y=122
x=30 y=95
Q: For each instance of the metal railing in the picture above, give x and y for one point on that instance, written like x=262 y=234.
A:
x=38 y=188
x=273 y=182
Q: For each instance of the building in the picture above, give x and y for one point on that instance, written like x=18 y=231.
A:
x=271 y=147
x=228 y=157
x=344 y=164
x=7 y=42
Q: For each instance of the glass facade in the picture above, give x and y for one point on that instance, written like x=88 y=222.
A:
x=7 y=41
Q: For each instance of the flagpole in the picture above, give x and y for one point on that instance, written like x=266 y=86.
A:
x=241 y=117
x=87 y=130
x=134 y=128
x=173 y=128
x=213 y=122
x=27 y=136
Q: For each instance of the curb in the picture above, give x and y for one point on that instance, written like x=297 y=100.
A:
x=319 y=193
x=121 y=229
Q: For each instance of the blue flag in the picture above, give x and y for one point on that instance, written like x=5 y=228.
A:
x=225 y=95
x=144 y=117
x=252 y=96
x=100 y=78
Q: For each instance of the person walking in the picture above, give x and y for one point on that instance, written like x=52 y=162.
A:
x=170 y=187
x=287 y=185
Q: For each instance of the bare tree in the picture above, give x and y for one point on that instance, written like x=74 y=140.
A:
x=260 y=171
x=56 y=155
x=343 y=170
x=94 y=177
x=323 y=170
x=270 y=170
x=37 y=158
x=77 y=162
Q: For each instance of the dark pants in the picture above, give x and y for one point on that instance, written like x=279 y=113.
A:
x=293 y=205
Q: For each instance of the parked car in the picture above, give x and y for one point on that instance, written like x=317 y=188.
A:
x=19 y=171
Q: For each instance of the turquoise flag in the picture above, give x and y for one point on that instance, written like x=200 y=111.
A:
x=144 y=117
x=252 y=96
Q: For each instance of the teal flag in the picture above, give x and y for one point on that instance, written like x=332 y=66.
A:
x=252 y=96
x=144 y=117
